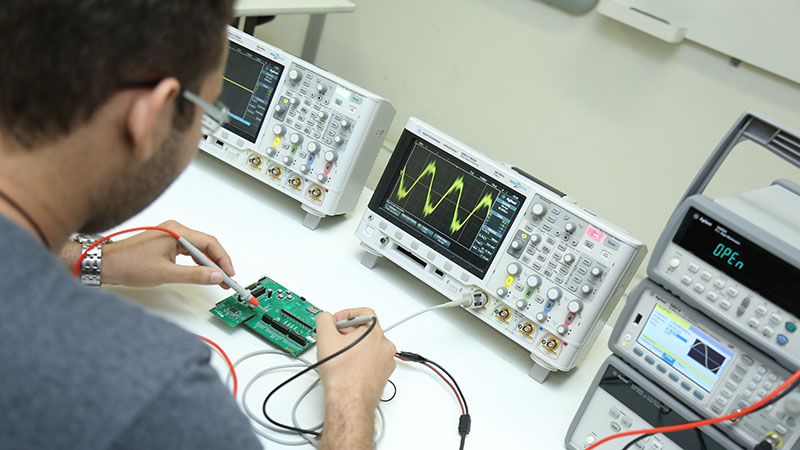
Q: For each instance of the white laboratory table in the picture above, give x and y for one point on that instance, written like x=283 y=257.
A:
x=262 y=231
x=316 y=8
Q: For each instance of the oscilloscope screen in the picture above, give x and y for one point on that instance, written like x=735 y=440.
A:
x=248 y=86
x=458 y=210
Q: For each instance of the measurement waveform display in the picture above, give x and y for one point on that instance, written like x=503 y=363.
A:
x=705 y=355
x=443 y=196
x=450 y=205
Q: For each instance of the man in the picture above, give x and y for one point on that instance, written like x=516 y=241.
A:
x=96 y=120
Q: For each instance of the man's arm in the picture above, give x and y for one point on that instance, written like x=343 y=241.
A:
x=353 y=381
x=149 y=258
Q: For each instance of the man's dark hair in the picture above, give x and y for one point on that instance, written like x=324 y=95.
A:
x=62 y=59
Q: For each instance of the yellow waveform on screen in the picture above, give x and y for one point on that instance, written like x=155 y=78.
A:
x=429 y=207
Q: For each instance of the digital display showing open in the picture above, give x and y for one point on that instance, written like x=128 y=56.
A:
x=744 y=261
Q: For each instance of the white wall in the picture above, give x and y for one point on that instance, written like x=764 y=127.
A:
x=615 y=118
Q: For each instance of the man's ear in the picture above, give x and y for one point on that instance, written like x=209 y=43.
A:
x=148 y=107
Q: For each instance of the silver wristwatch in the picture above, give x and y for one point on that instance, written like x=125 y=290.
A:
x=92 y=262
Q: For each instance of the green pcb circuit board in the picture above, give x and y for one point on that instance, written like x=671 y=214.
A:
x=282 y=317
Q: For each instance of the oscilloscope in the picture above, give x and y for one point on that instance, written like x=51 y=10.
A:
x=541 y=270
x=737 y=258
x=703 y=365
x=298 y=128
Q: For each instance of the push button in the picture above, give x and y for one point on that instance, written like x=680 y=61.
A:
x=791 y=327
x=782 y=340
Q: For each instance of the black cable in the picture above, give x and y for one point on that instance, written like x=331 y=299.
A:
x=393 y=394
x=464 y=421
x=306 y=370
x=774 y=400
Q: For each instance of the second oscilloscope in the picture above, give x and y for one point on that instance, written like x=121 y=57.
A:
x=542 y=270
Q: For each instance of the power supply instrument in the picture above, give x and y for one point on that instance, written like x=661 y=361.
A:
x=737 y=258
x=704 y=366
x=621 y=399
x=540 y=269
x=298 y=128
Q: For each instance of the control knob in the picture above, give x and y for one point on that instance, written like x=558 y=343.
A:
x=562 y=329
x=279 y=130
x=338 y=139
x=536 y=238
x=322 y=115
x=514 y=269
x=294 y=101
x=345 y=124
x=575 y=306
x=321 y=88
x=596 y=272
x=538 y=210
x=554 y=293
x=541 y=317
x=522 y=304
x=331 y=156
x=570 y=227
x=313 y=147
x=321 y=177
x=516 y=244
x=792 y=404
x=502 y=292
x=534 y=281
x=304 y=169
x=295 y=75
x=280 y=109
x=288 y=160
x=271 y=151
x=296 y=138
x=569 y=258
x=587 y=289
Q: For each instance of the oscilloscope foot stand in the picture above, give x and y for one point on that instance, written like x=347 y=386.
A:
x=369 y=259
x=539 y=372
x=312 y=219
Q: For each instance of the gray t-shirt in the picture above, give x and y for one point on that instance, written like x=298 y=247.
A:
x=83 y=369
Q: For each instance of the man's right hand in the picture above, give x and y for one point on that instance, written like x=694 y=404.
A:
x=353 y=381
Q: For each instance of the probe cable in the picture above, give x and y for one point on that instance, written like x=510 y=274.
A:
x=225 y=357
x=772 y=397
x=306 y=370
x=464 y=422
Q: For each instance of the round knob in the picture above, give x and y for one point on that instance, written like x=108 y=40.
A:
x=295 y=75
x=288 y=160
x=792 y=404
x=570 y=227
x=554 y=293
x=331 y=156
x=569 y=258
x=562 y=329
x=522 y=304
x=321 y=177
x=321 y=88
x=313 y=147
x=516 y=244
x=536 y=238
x=345 y=124
x=502 y=292
x=534 y=281
x=538 y=210
x=674 y=263
x=304 y=169
x=586 y=289
x=279 y=130
x=322 y=115
x=541 y=317
x=271 y=151
x=514 y=269
x=338 y=140
x=296 y=138
x=575 y=306
x=596 y=272
x=294 y=101
x=280 y=109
